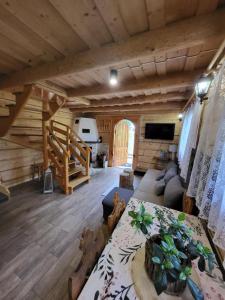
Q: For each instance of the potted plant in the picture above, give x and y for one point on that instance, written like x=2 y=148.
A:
x=168 y=254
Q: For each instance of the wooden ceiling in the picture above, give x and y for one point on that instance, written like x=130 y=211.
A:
x=159 y=47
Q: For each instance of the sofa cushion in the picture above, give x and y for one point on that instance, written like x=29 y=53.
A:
x=148 y=179
x=145 y=190
x=161 y=175
x=142 y=196
x=159 y=187
x=173 y=194
x=170 y=174
x=171 y=164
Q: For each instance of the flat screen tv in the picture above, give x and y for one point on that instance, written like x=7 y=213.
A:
x=159 y=131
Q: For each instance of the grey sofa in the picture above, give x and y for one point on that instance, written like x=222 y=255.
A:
x=145 y=190
x=173 y=193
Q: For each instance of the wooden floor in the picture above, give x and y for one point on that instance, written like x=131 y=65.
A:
x=39 y=236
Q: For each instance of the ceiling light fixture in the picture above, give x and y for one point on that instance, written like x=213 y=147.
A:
x=113 y=78
x=202 y=87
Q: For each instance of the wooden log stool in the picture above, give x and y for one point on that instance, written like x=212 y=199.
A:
x=131 y=173
x=126 y=179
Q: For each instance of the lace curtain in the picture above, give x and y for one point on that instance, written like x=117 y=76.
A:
x=192 y=133
x=207 y=183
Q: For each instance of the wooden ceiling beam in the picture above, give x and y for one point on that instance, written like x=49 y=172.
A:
x=131 y=113
x=156 y=98
x=135 y=107
x=178 y=35
x=154 y=83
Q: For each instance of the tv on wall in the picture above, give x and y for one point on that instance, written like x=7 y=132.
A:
x=159 y=131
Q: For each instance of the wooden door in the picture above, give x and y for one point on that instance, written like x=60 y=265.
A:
x=120 y=147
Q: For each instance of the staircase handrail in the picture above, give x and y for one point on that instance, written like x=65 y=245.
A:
x=58 y=142
x=72 y=132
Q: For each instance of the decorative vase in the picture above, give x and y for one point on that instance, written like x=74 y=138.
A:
x=175 y=288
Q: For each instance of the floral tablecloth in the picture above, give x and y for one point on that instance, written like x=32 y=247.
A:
x=111 y=277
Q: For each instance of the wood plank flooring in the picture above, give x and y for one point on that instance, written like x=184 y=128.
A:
x=39 y=236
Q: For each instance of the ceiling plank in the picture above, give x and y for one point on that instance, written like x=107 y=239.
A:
x=176 y=36
x=44 y=20
x=111 y=14
x=135 y=107
x=153 y=83
x=134 y=100
x=83 y=17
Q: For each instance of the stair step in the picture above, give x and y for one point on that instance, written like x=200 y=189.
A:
x=75 y=182
x=71 y=161
x=74 y=171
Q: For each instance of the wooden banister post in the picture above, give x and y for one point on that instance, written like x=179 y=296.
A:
x=87 y=162
x=66 y=175
x=45 y=133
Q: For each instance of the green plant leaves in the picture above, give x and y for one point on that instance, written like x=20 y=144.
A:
x=174 y=248
x=195 y=291
x=161 y=283
x=156 y=260
x=169 y=240
x=181 y=217
x=182 y=255
x=157 y=251
x=147 y=219
x=141 y=219
x=132 y=214
x=176 y=262
x=142 y=209
x=144 y=228
x=201 y=263
x=182 y=276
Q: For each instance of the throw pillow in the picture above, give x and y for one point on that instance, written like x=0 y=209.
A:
x=159 y=187
x=161 y=175
x=171 y=164
x=170 y=174
x=173 y=195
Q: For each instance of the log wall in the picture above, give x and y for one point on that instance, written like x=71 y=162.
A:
x=16 y=160
x=146 y=150
x=149 y=150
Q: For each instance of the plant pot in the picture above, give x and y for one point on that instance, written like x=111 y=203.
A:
x=175 y=288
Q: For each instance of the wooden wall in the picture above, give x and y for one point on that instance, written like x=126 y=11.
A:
x=150 y=149
x=145 y=150
x=16 y=160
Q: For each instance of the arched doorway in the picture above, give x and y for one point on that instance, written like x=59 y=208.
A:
x=123 y=145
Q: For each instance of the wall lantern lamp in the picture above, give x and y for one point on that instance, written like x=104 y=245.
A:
x=202 y=87
x=180 y=117
x=113 y=77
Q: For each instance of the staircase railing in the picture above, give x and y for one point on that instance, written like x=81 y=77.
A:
x=64 y=143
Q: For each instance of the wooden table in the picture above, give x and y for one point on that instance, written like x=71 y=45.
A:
x=112 y=278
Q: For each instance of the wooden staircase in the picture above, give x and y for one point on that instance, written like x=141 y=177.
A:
x=68 y=155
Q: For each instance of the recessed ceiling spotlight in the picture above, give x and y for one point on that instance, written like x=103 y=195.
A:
x=113 y=78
